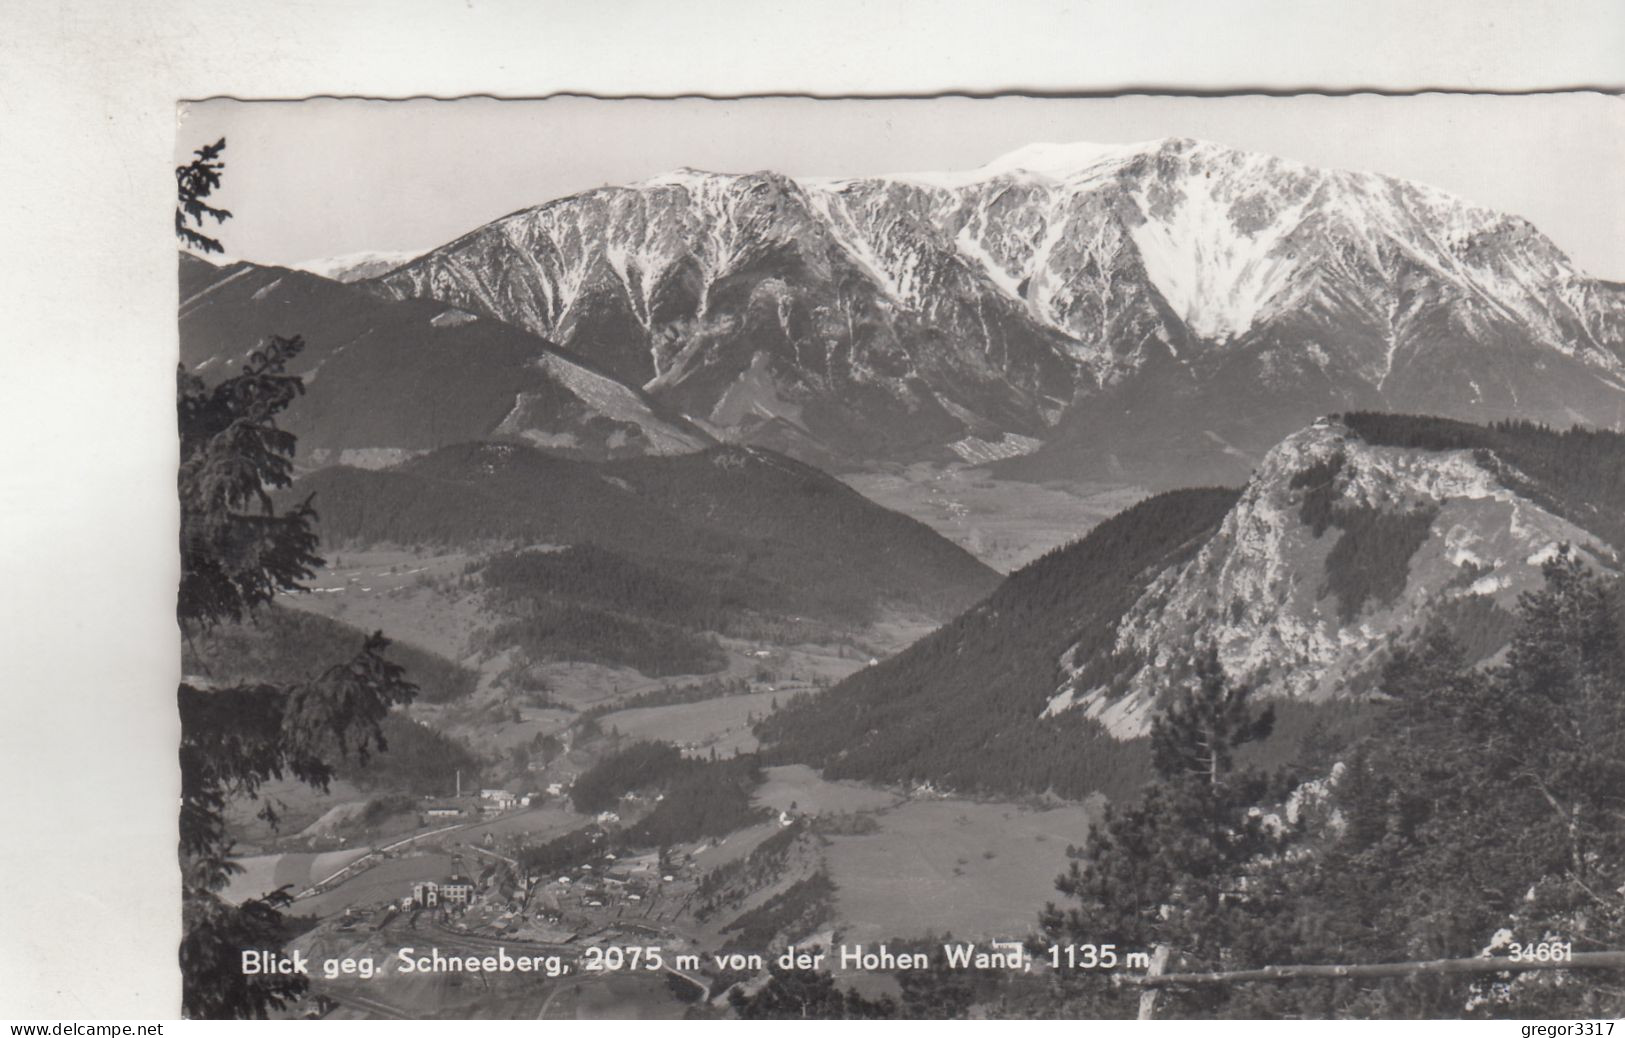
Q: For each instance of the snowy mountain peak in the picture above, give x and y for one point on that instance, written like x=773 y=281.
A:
x=687 y=176
x=357 y=266
x=1008 y=299
x=1059 y=161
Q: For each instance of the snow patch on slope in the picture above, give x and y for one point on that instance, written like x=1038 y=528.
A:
x=357 y=266
x=1217 y=278
x=1060 y=161
x=1046 y=160
x=972 y=249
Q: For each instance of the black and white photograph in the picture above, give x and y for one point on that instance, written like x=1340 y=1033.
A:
x=780 y=558
x=1062 y=512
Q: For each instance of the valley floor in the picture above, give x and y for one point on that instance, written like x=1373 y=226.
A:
x=903 y=863
x=1005 y=523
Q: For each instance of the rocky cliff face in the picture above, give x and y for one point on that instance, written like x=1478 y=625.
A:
x=1336 y=551
x=1175 y=299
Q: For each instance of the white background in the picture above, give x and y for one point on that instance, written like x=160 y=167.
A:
x=89 y=923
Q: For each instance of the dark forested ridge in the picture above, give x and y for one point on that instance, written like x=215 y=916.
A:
x=726 y=529
x=961 y=707
x=642 y=766
x=693 y=798
x=563 y=630
x=407 y=374
x=708 y=798
x=600 y=578
x=291 y=642
x=418 y=759
x=586 y=603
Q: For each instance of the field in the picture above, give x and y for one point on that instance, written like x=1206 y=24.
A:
x=721 y=724
x=263 y=873
x=542 y=823
x=390 y=880
x=734 y=846
x=300 y=807
x=799 y=785
x=963 y=867
x=1004 y=523
x=410 y=597
x=976 y=869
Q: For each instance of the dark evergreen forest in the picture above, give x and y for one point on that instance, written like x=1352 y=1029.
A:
x=290 y=642
x=1579 y=473
x=725 y=529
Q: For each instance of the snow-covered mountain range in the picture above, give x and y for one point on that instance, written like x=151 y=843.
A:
x=1174 y=305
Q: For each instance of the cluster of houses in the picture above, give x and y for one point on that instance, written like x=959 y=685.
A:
x=611 y=879
x=454 y=890
x=488 y=802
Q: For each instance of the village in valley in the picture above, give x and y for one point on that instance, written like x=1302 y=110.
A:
x=459 y=888
x=520 y=869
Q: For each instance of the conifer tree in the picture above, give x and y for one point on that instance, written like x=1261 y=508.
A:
x=1170 y=870
x=238 y=552
x=1488 y=803
x=1196 y=736
x=195 y=182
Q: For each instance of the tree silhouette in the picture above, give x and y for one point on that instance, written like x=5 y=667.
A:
x=1171 y=869
x=194 y=182
x=1198 y=733
x=238 y=552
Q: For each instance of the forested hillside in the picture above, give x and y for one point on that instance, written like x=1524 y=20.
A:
x=718 y=532
x=291 y=643
x=418 y=759
x=1466 y=820
x=961 y=707
x=1479 y=816
x=407 y=375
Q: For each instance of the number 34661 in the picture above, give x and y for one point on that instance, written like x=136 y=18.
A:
x=1543 y=951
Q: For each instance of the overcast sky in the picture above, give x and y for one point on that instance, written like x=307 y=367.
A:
x=311 y=179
